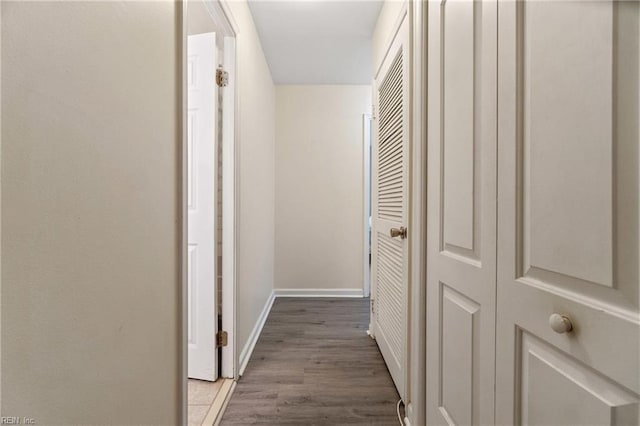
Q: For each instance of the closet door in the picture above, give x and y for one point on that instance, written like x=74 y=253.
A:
x=389 y=274
x=568 y=334
x=461 y=212
x=201 y=199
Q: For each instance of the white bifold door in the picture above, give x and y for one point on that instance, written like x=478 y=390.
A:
x=389 y=273
x=568 y=334
x=201 y=200
x=461 y=212
x=533 y=213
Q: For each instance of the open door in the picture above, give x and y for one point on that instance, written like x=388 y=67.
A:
x=389 y=265
x=201 y=199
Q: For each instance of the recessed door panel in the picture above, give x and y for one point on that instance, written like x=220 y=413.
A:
x=568 y=212
x=461 y=215
x=458 y=353
x=556 y=389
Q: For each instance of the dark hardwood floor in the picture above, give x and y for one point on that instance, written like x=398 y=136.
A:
x=314 y=364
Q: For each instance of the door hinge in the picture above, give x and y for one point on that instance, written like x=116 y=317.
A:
x=373 y=306
x=222 y=77
x=222 y=338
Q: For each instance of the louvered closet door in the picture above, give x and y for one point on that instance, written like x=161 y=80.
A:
x=390 y=177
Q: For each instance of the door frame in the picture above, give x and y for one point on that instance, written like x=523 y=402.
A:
x=417 y=386
x=227 y=27
x=223 y=20
x=366 y=207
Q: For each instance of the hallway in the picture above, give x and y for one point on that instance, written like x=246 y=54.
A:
x=315 y=364
x=315 y=212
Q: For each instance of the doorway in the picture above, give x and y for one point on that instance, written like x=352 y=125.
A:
x=209 y=209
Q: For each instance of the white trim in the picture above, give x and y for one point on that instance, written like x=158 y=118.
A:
x=226 y=10
x=374 y=141
x=236 y=189
x=245 y=355
x=182 y=208
x=318 y=292
x=222 y=18
x=415 y=374
x=366 y=148
x=229 y=240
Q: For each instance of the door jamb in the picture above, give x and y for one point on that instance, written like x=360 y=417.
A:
x=228 y=29
x=183 y=213
x=366 y=144
x=416 y=406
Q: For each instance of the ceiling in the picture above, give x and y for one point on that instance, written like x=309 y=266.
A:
x=317 y=42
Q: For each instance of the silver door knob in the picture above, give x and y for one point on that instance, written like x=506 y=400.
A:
x=560 y=323
x=401 y=232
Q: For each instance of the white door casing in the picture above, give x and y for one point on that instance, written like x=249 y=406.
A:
x=461 y=212
x=568 y=113
x=389 y=266
x=366 y=145
x=229 y=211
x=202 y=201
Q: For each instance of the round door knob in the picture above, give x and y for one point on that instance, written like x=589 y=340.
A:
x=398 y=232
x=560 y=323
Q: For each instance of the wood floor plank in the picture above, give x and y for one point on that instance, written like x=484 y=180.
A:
x=314 y=364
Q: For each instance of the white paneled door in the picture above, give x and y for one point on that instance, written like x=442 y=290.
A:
x=461 y=212
x=568 y=334
x=389 y=272
x=201 y=193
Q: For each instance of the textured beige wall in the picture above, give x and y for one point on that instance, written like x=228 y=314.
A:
x=255 y=175
x=319 y=186
x=90 y=148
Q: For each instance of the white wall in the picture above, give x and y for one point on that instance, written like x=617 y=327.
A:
x=255 y=175
x=319 y=186
x=90 y=212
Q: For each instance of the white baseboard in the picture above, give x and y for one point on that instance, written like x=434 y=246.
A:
x=318 y=292
x=245 y=355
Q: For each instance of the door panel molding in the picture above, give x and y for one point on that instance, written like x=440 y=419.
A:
x=568 y=103
x=461 y=212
